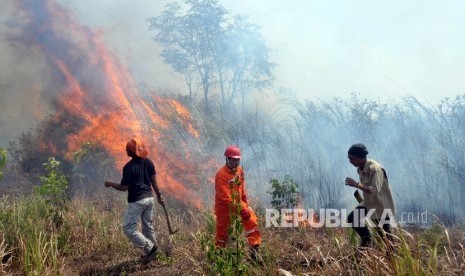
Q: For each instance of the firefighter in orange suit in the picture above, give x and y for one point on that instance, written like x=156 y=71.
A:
x=232 y=175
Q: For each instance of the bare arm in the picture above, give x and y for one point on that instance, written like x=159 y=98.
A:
x=116 y=186
x=153 y=181
x=363 y=188
x=351 y=182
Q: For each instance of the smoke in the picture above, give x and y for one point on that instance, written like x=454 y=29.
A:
x=38 y=39
x=23 y=70
x=92 y=94
x=323 y=50
x=37 y=36
x=32 y=80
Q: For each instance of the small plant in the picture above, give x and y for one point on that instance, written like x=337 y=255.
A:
x=235 y=229
x=53 y=188
x=228 y=260
x=285 y=194
x=54 y=184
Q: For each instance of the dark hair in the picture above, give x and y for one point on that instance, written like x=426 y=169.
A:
x=358 y=150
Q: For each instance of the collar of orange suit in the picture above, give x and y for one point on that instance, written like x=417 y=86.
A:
x=233 y=171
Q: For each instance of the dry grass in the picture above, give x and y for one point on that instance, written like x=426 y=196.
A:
x=97 y=246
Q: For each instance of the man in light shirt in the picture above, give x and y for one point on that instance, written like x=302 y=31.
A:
x=377 y=204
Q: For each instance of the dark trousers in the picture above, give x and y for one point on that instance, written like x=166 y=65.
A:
x=363 y=231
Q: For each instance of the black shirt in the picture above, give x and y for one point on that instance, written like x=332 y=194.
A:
x=136 y=175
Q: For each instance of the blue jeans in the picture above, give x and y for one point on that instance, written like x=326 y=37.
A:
x=140 y=210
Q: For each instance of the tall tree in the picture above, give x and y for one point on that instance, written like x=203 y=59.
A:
x=213 y=50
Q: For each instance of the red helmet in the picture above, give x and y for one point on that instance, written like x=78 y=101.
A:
x=232 y=152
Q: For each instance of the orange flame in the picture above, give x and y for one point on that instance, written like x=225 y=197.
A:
x=100 y=95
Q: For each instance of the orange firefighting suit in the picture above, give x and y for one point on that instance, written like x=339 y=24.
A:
x=223 y=182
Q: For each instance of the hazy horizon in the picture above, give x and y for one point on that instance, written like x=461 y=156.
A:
x=382 y=50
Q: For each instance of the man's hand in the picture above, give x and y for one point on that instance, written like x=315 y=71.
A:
x=245 y=214
x=350 y=182
x=108 y=183
x=161 y=200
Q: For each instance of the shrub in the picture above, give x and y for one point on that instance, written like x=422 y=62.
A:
x=284 y=193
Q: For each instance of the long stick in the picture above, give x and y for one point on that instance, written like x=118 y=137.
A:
x=168 y=221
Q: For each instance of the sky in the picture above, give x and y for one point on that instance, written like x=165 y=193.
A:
x=382 y=50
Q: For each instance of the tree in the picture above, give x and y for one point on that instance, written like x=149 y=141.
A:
x=213 y=50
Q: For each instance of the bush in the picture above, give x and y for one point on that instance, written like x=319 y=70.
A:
x=53 y=189
x=285 y=194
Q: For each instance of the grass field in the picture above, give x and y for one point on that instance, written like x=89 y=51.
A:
x=88 y=240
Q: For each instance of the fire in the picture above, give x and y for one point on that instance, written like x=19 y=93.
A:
x=178 y=110
x=301 y=216
x=99 y=101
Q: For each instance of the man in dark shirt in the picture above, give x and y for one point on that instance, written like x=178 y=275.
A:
x=139 y=179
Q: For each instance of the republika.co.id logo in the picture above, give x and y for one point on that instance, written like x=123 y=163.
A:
x=326 y=218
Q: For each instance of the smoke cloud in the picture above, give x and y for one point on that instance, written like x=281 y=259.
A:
x=22 y=74
x=326 y=49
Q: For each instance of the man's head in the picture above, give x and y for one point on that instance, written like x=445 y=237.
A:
x=357 y=154
x=233 y=156
x=135 y=147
